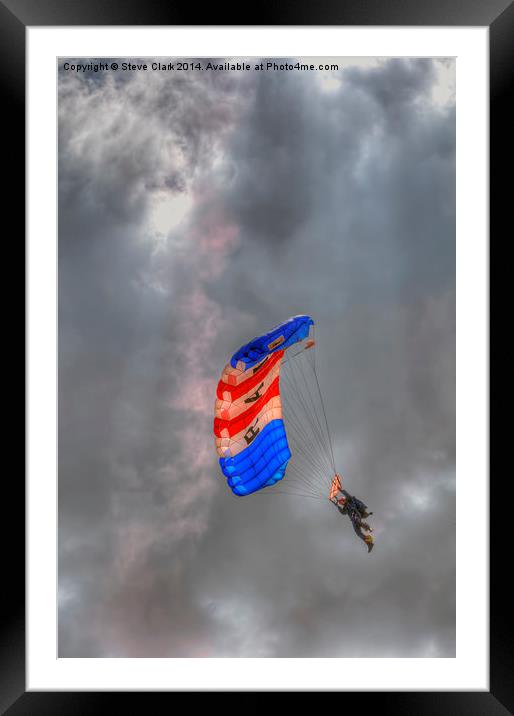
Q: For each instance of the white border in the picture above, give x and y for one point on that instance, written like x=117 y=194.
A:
x=469 y=670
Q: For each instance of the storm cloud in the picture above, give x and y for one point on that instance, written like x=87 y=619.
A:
x=200 y=209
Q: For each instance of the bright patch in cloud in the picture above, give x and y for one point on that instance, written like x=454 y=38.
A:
x=168 y=210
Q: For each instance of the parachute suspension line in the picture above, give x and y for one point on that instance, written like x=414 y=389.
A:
x=326 y=422
x=311 y=470
x=304 y=470
x=322 y=405
x=308 y=444
x=296 y=411
x=313 y=366
x=308 y=410
x=270 y=493
x=315 y=412
x=307 y=467
x=308 y=456
x=305 y=405
x=324 y=438
x=309 y=463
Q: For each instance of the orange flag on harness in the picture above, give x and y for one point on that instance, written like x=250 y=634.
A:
x=335 y=487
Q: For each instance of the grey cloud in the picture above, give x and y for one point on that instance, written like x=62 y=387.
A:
x=338 y=204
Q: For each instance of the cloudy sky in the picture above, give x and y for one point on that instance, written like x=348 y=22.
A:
x=196 y=210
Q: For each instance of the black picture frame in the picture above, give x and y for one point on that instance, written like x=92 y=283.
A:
x=498 y=15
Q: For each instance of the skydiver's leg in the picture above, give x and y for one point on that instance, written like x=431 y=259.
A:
x=370 y=542
x=357 y=527
x=366 y=538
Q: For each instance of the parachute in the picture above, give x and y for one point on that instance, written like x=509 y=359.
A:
x=270 y=418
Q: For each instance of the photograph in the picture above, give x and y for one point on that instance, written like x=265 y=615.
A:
x=261 y=261
x=256 y=273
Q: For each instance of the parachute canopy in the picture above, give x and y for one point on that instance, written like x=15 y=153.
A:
x=249 y=430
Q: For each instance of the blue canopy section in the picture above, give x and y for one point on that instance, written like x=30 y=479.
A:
x=261 y=464
x=280 y=337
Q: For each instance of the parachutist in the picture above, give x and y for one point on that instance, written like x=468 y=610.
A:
x=356 y=510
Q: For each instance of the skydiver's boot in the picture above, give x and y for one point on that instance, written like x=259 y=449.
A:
x=370 y=542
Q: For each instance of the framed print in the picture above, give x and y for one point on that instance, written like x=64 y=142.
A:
x=211 y=208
